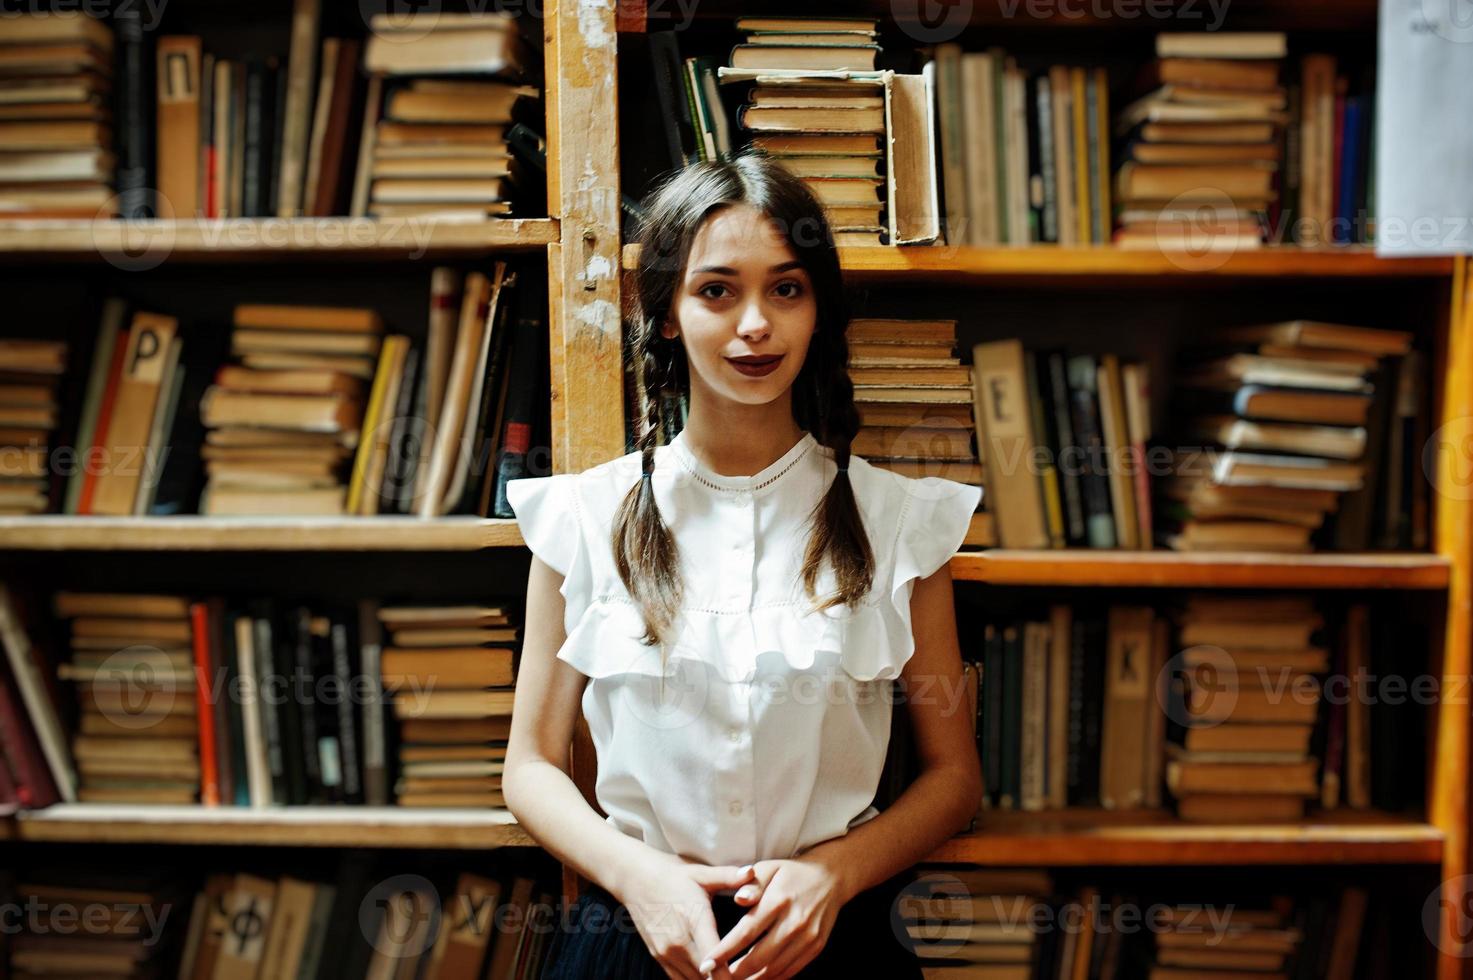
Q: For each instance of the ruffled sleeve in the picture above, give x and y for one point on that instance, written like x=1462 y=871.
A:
x=933 y=524
x=544 y=507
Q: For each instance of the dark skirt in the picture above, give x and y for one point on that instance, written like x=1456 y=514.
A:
x=597 y=939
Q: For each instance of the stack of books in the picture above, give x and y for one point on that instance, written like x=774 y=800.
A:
x=1025 y=155
x=914 y=398
x=282 y=422
x=1281 y=410
x=450 y=670
x=442 y=94
x=970 y=922
x=1249 y=942
x=1246 y=707
x=1204 y=151
x=304 y=410
x=1063 y=440
x=131 y=661
x=29 y=406
x=822 y=122
x=121 y=937
x=55 y=118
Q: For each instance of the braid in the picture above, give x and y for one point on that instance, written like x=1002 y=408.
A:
x=645 y=552
x=838 y=529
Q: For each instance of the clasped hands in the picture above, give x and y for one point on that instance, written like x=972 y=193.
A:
x=792 y=906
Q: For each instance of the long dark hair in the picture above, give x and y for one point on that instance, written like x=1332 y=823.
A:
x=823 y=395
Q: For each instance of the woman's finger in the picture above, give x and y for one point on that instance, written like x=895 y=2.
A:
x=748 y=929
x=767 y=952
x=715 y=878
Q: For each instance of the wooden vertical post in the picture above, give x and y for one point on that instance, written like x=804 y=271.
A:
x=583 y=267
x=584 y=312
x=1448 y=796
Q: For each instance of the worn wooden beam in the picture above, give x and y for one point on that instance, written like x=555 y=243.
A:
x=583 y=268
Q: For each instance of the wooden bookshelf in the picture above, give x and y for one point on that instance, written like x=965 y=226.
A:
x=1002 y=839
x=1439 y=303
x=194 y=533
x=1181 y=570
x=1148 y=837
x=296 y=826
x=1108 y=265
x=584 y=260
x=144 y=244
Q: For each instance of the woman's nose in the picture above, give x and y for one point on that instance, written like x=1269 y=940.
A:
x=754 y=320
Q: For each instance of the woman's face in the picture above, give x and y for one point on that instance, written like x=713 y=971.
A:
x=743 y=297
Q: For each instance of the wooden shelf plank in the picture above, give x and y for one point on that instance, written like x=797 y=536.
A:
x=1107 y=265
x=1081 y=837
x=1173 y=569
x=195 y=533
x=1341 y=16
x=1067 y=839
x=145 y=244
x=298 y=826
x=955 y=264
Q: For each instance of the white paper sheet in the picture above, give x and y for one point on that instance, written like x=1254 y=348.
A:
x=1424 y=128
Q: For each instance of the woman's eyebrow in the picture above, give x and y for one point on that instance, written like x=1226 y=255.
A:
x=726 y=270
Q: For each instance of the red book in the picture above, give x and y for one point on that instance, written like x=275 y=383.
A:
x=9 y=792
x=209 y=770
x=104 y=417
x=34 y=786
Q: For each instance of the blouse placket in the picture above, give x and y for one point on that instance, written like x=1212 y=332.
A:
x=737 y=500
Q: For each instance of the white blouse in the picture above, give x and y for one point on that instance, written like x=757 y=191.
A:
x=767 y=730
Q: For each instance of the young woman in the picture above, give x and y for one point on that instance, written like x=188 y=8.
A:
x=730 y=609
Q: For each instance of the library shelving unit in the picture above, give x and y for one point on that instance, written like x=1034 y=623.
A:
x=1138 y=298
x=584 y=259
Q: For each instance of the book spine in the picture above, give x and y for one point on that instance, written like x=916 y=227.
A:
x=252 y=179
x=516 y=430
x=135 y=132
x=1099 y=516
x=992 y=701
x=35 y=787
x=38 y=698
x=265 y=665
x=304 y=709
x=209 y=771
x=1094 y=138
x=1055 y=386
x=301 y=72
x=1012 y=721
x=374 y=740
x=1074 y=735
x=1047 y=163
x=354 y=769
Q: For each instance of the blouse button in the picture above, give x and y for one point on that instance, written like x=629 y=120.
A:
x=735 y=734
x=735 y=809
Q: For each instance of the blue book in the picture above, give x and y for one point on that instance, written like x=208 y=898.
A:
x=1352 y=169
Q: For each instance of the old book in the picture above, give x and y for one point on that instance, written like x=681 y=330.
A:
x=132 y=413
x=1128 y=700
x=1006 y=443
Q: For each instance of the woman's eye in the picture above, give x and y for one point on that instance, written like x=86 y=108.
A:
x=706 y=290
x=794 y=289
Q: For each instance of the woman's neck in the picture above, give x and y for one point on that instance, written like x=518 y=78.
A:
x=739 y=440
